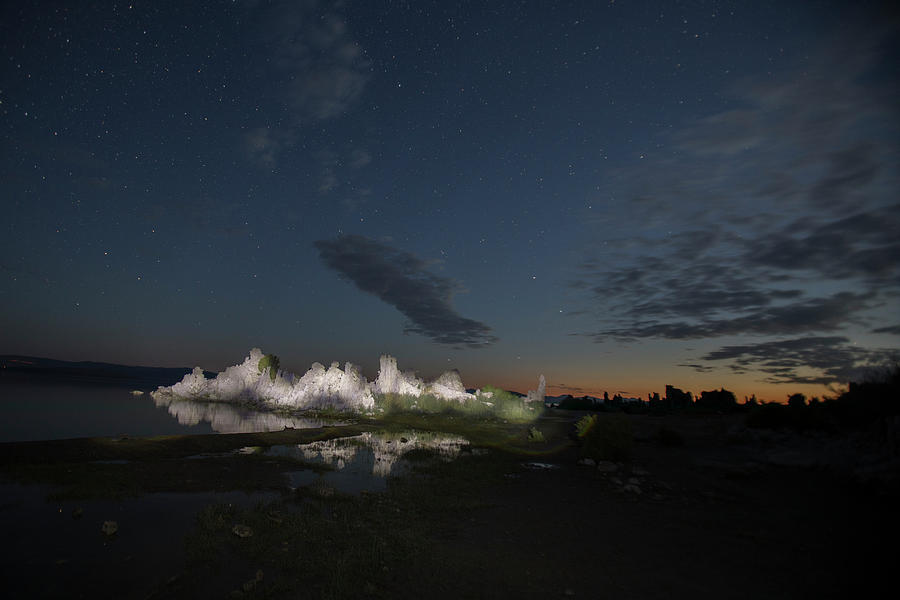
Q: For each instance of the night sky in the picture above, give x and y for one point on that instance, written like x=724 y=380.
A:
x=618 y=195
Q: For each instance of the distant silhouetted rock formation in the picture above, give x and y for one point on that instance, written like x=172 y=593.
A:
x=717 y=400
x=677 y=399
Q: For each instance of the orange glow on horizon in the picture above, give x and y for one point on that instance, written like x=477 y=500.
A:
x=764 y=392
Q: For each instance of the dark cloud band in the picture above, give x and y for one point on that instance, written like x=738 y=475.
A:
x=816 y=314
x=822 y=360
x=401 y=279
x=775 y=218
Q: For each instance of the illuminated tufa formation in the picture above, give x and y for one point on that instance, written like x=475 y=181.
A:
x=253 y=382
x=259 y=380
x=391 y=381
x=537 y=395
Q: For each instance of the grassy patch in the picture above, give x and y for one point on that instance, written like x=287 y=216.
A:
x=497 y=404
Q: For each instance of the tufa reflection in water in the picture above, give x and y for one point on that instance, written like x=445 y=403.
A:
x=363 y=462
x=230 y=418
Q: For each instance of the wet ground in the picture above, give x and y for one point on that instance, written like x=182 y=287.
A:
x=469 y=511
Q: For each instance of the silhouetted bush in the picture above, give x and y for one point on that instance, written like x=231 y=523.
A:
x=717 y=400
x=796 y=401
x=877 y=397
x=862 y=404
x=606 y=437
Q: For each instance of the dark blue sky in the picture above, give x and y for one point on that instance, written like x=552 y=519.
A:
x=618 y=195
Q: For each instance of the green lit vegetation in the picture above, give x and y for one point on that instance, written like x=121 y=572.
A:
x=491 y=403
x=535 y=435
x=271 y=362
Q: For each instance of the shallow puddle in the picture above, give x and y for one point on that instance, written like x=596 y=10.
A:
x=363 y=462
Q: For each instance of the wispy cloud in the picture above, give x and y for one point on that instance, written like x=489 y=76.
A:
x=314 y=69
x=568 y=388
x=807 y=360
x=339 y=172
x=402 y=280
x=264 y=145
x=775 y=217
x=319 y=69
x=815 y=314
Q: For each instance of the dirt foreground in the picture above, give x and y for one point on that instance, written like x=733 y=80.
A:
x=699 y=513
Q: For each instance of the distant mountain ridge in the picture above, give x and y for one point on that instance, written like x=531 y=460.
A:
x=90 y=371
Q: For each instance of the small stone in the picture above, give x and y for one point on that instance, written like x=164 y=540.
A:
x=242 y=531
x=539 y=466
x=109 y=527
x=569 y=592
x=276 y=517
x=587 y=462
x=639 y=471
x=630 y=487
x=606 y=466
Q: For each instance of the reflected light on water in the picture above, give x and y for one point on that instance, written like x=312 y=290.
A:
x=225 y=417
x=363 y=462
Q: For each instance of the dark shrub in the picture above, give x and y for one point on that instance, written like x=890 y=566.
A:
x=606 y=437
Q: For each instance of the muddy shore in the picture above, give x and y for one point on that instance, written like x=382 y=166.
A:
x=703 y=512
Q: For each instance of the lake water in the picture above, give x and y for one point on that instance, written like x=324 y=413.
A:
x=39 y=410
x=364 y=462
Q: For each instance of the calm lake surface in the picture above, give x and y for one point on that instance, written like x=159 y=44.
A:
x=39 y=410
